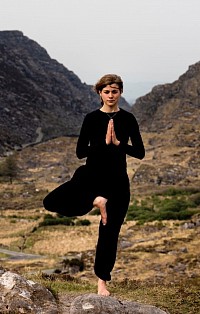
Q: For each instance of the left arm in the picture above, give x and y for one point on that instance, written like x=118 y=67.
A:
x=136 y=149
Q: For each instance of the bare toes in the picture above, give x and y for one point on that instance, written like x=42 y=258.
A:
x=102 y=289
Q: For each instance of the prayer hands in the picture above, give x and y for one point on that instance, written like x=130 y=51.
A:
x=110 y=135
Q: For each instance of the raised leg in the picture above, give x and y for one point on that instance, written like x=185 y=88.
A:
x=100 y=202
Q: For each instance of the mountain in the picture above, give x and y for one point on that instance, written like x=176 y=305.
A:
x=170 y=122
x=40 y=99
x=170 y=104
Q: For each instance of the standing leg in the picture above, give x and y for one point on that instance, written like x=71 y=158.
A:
x=107 y=242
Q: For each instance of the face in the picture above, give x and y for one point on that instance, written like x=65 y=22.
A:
x=110 y=95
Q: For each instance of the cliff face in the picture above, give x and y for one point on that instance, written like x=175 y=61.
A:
x=169 y=118
x=171 y=104
x=40 y=99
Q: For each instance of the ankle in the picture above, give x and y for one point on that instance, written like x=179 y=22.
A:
x=102 y=289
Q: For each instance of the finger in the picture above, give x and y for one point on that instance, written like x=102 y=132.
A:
x=113 y=131
x=110 y=124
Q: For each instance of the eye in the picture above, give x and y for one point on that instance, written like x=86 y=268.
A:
x=115 y=92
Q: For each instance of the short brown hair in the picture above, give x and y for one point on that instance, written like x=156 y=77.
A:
x=108 y=79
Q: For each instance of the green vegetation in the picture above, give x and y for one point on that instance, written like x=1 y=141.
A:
x=67 y=284
x=50 y=220
x=179 y=191
x=172 y=204
x=8 y=168
x=82 y=222
x=23 y=217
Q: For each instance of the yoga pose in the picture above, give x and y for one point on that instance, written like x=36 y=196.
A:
x=104 y=141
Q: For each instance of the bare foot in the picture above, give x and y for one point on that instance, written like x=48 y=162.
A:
x=100 y=202
x=102 y=290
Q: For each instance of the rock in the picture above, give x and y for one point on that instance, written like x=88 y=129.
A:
x=183 y=250
x=166 y=174
x=19 y=295
x=123 y=244
x=92 y=303
x=72 y=263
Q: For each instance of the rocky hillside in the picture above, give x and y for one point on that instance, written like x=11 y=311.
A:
x=40 y=99
x=169 y=115
x=169 y=104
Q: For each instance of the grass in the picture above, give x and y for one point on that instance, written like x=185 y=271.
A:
x=62 y=286
x=180 y=297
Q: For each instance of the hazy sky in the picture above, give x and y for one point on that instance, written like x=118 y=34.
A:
x=145 y=41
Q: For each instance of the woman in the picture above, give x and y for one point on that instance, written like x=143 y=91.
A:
x=104 y=141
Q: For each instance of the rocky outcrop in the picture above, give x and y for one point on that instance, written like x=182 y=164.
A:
x=169 y=116
x=161 y=175
x=171 y=104
x=40 y=99
x=18 y=295
x=92 y=303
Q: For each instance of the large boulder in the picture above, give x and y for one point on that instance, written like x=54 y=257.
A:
x=19 y=295
x=92 y=303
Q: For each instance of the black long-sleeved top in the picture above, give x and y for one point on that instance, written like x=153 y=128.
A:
x=109 y=159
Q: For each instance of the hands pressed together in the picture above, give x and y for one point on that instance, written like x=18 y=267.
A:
x=110 y=135
x=100 y=201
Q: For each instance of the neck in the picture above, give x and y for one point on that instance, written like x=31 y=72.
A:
x=108 y=109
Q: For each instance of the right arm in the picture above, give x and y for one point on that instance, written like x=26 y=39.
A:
x=83 y=147
x=89 y=143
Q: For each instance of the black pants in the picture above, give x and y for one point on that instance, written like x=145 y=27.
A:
x=75 y=198
x=106 y=250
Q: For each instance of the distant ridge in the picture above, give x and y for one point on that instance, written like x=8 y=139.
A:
x=40 y=99
x=170 y=104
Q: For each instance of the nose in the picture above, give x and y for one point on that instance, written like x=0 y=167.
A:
x=110 y=95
